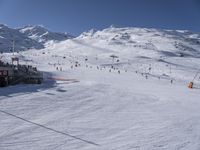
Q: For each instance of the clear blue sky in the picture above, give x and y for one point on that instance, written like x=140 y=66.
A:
x=76 y=16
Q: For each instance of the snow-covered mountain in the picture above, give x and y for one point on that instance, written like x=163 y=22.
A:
x=42 y=35
x=163 y=42
x=29 y=37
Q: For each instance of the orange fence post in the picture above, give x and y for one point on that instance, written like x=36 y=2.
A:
x=190 y=85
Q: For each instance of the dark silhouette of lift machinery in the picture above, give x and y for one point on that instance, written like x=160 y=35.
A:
x=15 y=59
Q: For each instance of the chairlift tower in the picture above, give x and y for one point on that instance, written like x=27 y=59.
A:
x=14 y=59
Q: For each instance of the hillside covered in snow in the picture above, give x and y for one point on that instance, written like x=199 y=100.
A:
x=165 y=53
x=114 y=89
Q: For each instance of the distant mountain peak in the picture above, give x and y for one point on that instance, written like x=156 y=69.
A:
x=3 y=26
x=89 y=33
x=32 y=28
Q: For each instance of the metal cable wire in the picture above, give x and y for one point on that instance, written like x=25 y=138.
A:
x=51 y=129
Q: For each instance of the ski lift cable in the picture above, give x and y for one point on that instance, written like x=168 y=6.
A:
x=50 y=129
x=196 y=75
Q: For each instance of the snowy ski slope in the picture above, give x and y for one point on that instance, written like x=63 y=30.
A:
x=126 y=103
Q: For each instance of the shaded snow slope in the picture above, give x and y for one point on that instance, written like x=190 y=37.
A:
x=29 y=37
x=22 y=42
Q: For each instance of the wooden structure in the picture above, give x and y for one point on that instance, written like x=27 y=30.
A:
x=14 y=74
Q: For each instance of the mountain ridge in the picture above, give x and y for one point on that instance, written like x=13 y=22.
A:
x=36 y=37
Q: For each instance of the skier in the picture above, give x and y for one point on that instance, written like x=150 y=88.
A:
x=171 y=81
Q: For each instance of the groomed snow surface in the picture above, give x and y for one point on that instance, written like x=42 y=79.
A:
x=94 y=106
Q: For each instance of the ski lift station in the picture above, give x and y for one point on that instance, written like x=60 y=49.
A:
x=11 y=74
